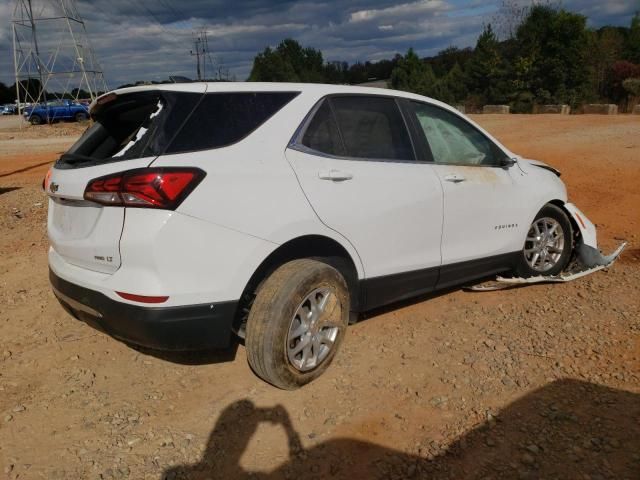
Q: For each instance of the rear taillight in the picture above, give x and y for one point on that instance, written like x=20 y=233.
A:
x=163 y=188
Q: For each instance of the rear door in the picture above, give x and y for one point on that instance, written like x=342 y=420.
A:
x=355 y=161
x=129 y=133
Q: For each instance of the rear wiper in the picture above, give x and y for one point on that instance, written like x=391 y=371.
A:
x=76 y=158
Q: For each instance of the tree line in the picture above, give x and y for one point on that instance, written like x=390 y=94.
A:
x=549 y=57
x=33 y=89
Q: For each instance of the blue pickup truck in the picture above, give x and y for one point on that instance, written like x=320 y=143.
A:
x=54 y=111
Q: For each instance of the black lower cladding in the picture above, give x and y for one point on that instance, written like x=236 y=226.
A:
x=379 y=291
x=191 y=327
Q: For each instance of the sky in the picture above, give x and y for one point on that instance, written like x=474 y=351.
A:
x=152 y=39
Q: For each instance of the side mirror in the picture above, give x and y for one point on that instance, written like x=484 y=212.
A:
x=508 y=162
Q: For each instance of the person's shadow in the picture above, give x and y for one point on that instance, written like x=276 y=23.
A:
x=567 y=429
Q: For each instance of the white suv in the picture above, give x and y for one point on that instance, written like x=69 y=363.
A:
x=190 y=212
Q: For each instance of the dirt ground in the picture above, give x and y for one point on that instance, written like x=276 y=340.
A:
x=536 y=382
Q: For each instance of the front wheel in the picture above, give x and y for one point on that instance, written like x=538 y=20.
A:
x=296 y=323
x=81 y=117
x=35 y=120
x=547 y=248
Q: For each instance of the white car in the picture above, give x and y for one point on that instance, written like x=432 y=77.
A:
x=192 y=212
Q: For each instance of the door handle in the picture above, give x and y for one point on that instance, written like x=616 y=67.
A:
x=335 y=175
x=454 y=178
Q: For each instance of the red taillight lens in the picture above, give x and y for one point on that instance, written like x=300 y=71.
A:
x=164 y=188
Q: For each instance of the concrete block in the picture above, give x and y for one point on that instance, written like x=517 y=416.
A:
x=501 y=109
x=559 y=109
x=601 y=108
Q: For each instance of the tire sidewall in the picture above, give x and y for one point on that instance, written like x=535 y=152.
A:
x=281 y=311
x=550 y=211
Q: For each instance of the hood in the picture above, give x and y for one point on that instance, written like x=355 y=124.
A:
x=539 y=164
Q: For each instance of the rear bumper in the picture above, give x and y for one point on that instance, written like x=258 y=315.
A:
x=191 y=327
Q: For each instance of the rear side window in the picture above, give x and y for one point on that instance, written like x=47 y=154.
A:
x=322 y=132
x=221 y=119
x=372 y=127
x=151 y=123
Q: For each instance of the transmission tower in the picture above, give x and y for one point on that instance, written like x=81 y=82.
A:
x=52 y=56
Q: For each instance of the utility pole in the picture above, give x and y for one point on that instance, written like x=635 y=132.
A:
x=198 y=52
x=201 y=51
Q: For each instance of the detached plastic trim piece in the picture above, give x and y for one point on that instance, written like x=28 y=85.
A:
x=596 y=261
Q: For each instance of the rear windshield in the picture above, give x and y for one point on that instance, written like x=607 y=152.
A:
x=148 y=124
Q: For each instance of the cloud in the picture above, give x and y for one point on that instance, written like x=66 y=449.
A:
x=152 y=39
x=403 y=10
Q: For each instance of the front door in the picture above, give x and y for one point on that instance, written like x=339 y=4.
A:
x=483 y=205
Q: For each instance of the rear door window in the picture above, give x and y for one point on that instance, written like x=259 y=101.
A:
x=322 y=133
x=372 y=127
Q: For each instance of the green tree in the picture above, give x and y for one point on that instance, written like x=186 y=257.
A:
x=554 y=46
x=358 y=73
x=336 y=72
x=288 y=62
x=632 y=46
x=446 y=59
x=411 y=74
x=30 y=90
x=456 y=84
x=486 y=70
x=7 y=95
x=606 y=46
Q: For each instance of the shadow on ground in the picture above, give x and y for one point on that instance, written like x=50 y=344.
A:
x=566 y=430
x=204 y=357
x=8 y=189
x=26 y=169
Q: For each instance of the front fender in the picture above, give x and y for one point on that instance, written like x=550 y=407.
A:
x=586 y=228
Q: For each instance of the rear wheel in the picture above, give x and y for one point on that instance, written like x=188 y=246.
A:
x=297 y=323
x=547 y=248
x=81 y=117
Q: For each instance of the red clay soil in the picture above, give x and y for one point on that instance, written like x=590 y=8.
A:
x=536 y=382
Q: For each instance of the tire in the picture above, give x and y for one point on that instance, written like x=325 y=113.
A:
x=35 y=120
x=275 y=323
x=81 y=117
x=552 y=241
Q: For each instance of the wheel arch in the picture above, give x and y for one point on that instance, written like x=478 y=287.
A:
x=314 y=246
x=574 y=224
x=561 y=204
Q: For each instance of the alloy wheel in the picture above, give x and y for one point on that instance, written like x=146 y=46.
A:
x=313 y=330
x=544 y=245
